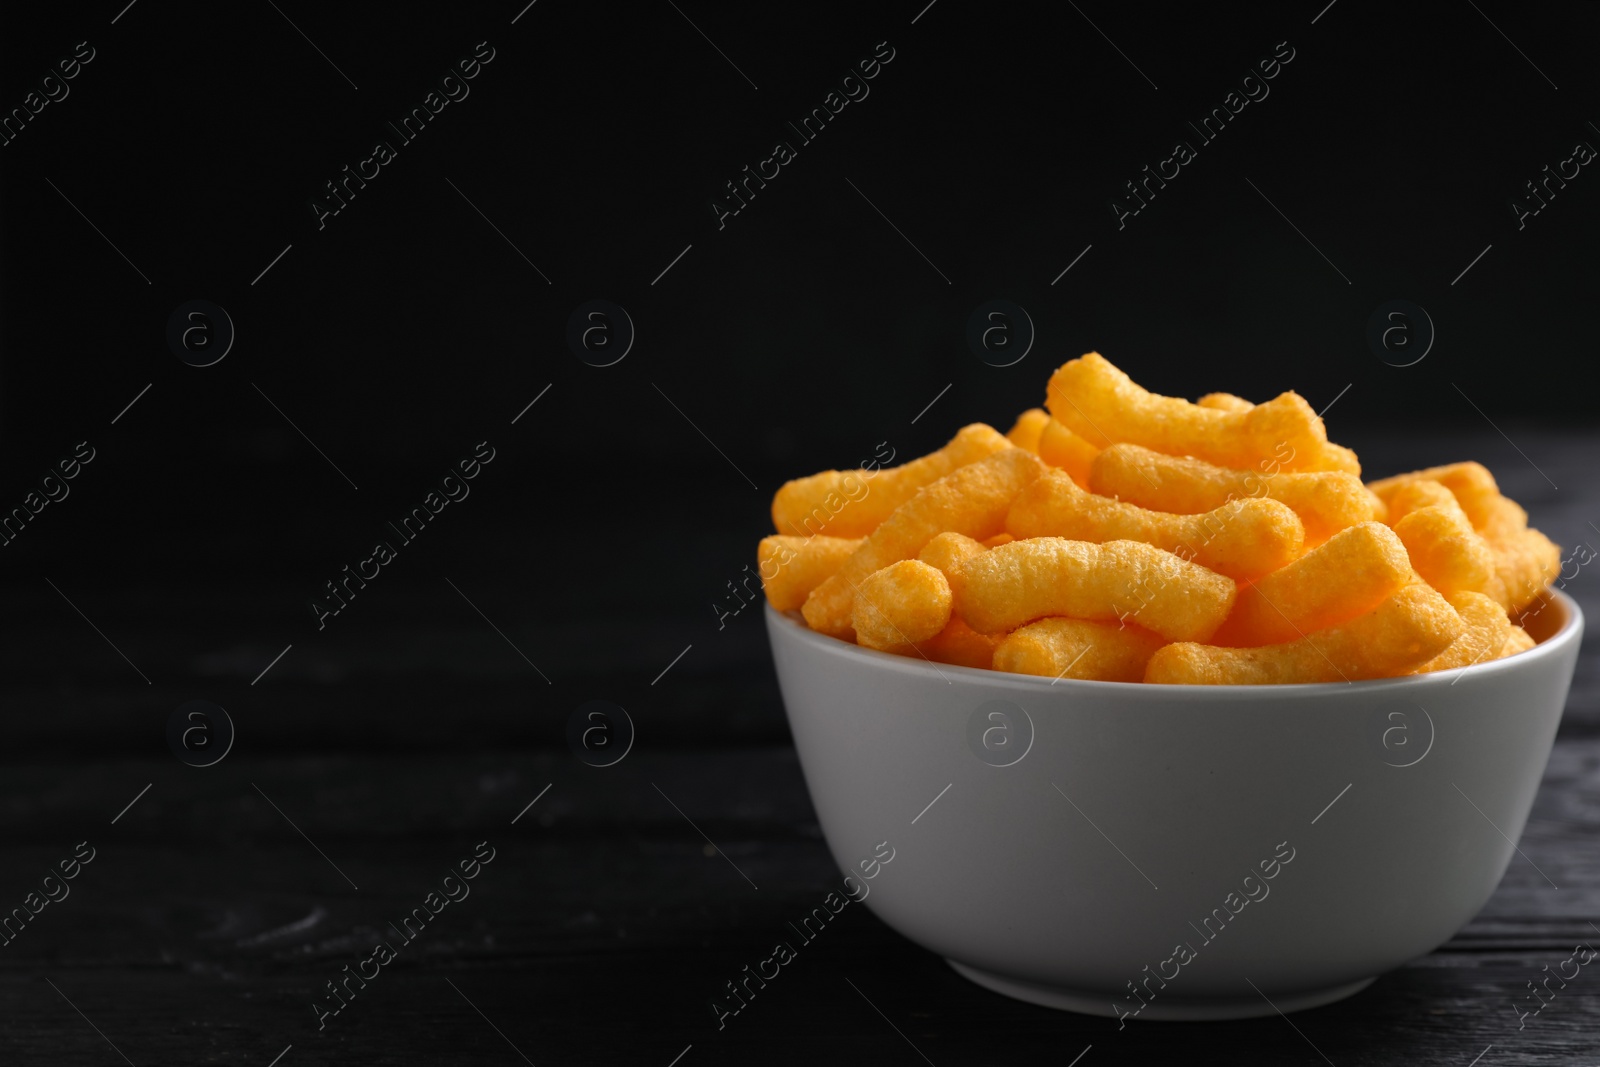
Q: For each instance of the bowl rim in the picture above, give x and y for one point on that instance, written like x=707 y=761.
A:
x=793 y=625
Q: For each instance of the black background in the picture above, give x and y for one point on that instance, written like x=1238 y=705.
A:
x=799 y=336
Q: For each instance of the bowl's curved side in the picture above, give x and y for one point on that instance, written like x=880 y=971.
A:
x=1181 y=842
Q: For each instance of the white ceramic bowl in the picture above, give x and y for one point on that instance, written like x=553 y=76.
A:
x=1075 y=875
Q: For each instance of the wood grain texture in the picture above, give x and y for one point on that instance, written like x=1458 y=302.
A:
x=206 y=925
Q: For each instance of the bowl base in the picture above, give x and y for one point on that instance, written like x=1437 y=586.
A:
x=1165 y=1009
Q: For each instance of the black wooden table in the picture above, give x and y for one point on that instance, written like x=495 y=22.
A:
x=220 y=902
